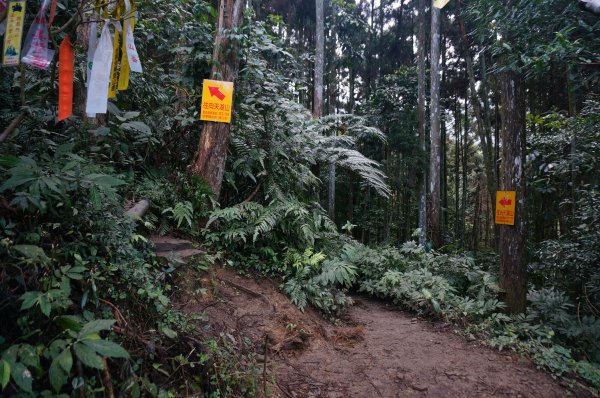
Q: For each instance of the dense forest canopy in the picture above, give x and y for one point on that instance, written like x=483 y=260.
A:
x=368 y=141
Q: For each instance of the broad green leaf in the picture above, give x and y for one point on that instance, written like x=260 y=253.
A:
x=95 y=327
x=107 y=348
x=68 y=322
x=88 y=357
x=45 y=305
x=22 y=376
x=58 y=377
x=29 y=356
x=137 y=125
x=29 y=299
x=16 y=180
x=65 y=360
x=104 y=180
x=170 y=333
x=33 y=252
x=8 y=160
x=4 y=373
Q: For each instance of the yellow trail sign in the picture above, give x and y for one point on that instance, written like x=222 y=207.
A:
x=217 y=98
x=505 y=207
x=14 y=33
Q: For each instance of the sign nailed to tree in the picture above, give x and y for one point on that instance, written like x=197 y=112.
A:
x=217 y=98
x=505 y=207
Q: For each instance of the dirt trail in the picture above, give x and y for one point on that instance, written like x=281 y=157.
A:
x=377 y=351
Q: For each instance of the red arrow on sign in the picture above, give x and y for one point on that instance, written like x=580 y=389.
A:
x=216 y=92
x=505 y=202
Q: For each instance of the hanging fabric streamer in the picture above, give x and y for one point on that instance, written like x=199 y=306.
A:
x=124 y=72
x=52 y=13
x=112 y=90
x=97 y=94
x=65 y=79
x=135 y=64
x=37 y=53
x=92 y=43
x=11 y=52
x=128 y=23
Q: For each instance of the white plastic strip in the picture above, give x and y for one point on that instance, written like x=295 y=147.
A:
x=132 y=55
x=97 y=95
x=92 y=44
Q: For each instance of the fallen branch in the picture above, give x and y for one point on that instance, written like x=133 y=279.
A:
x=120 y=318
x=249 y=291
x=13 y=125
x=138 y=210
x=253 y=194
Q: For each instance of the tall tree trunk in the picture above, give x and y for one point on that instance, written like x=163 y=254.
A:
x=465 y=154
x=435 y=139
x=331 y=192
x=476 y=217
x=318 y=94
x=483 y=126
x=211 y=155
x=319 y=60
x=421 y=111
x=350 y=205
x=513 y=261
x=351 y=89
x=443 y=142
x=457 y=131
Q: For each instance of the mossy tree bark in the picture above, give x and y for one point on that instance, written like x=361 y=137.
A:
x=211 y=155
x=513 y=259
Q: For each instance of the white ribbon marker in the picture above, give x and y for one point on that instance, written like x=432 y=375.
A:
x=97 y=94
x=92 y=44
x=135 y=65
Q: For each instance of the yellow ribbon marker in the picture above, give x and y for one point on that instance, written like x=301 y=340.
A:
x=128 y=23
x=112 y=88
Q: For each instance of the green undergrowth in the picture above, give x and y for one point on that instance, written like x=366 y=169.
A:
x=85 y=303
x=455 y=288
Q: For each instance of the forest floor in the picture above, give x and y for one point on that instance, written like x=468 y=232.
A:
x=375 y=350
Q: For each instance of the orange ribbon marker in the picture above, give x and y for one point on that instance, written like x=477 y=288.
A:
x=65 y=79
x=52 y=13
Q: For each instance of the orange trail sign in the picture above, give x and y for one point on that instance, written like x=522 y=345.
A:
x=505 y=207
x=217 y=98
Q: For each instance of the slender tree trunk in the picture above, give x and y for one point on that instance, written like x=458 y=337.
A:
x=211 y=155
x=352 y=81
x=369 y=53
x=319 y=60
x=331 y=192
x=497 y=146
x=476 y=217
x=465 y=154
x=443 y=143
x=513 y=261
x=421 y=111
x=482 y=131
x=350 y=205
x=435 y=139
x=457 y=130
